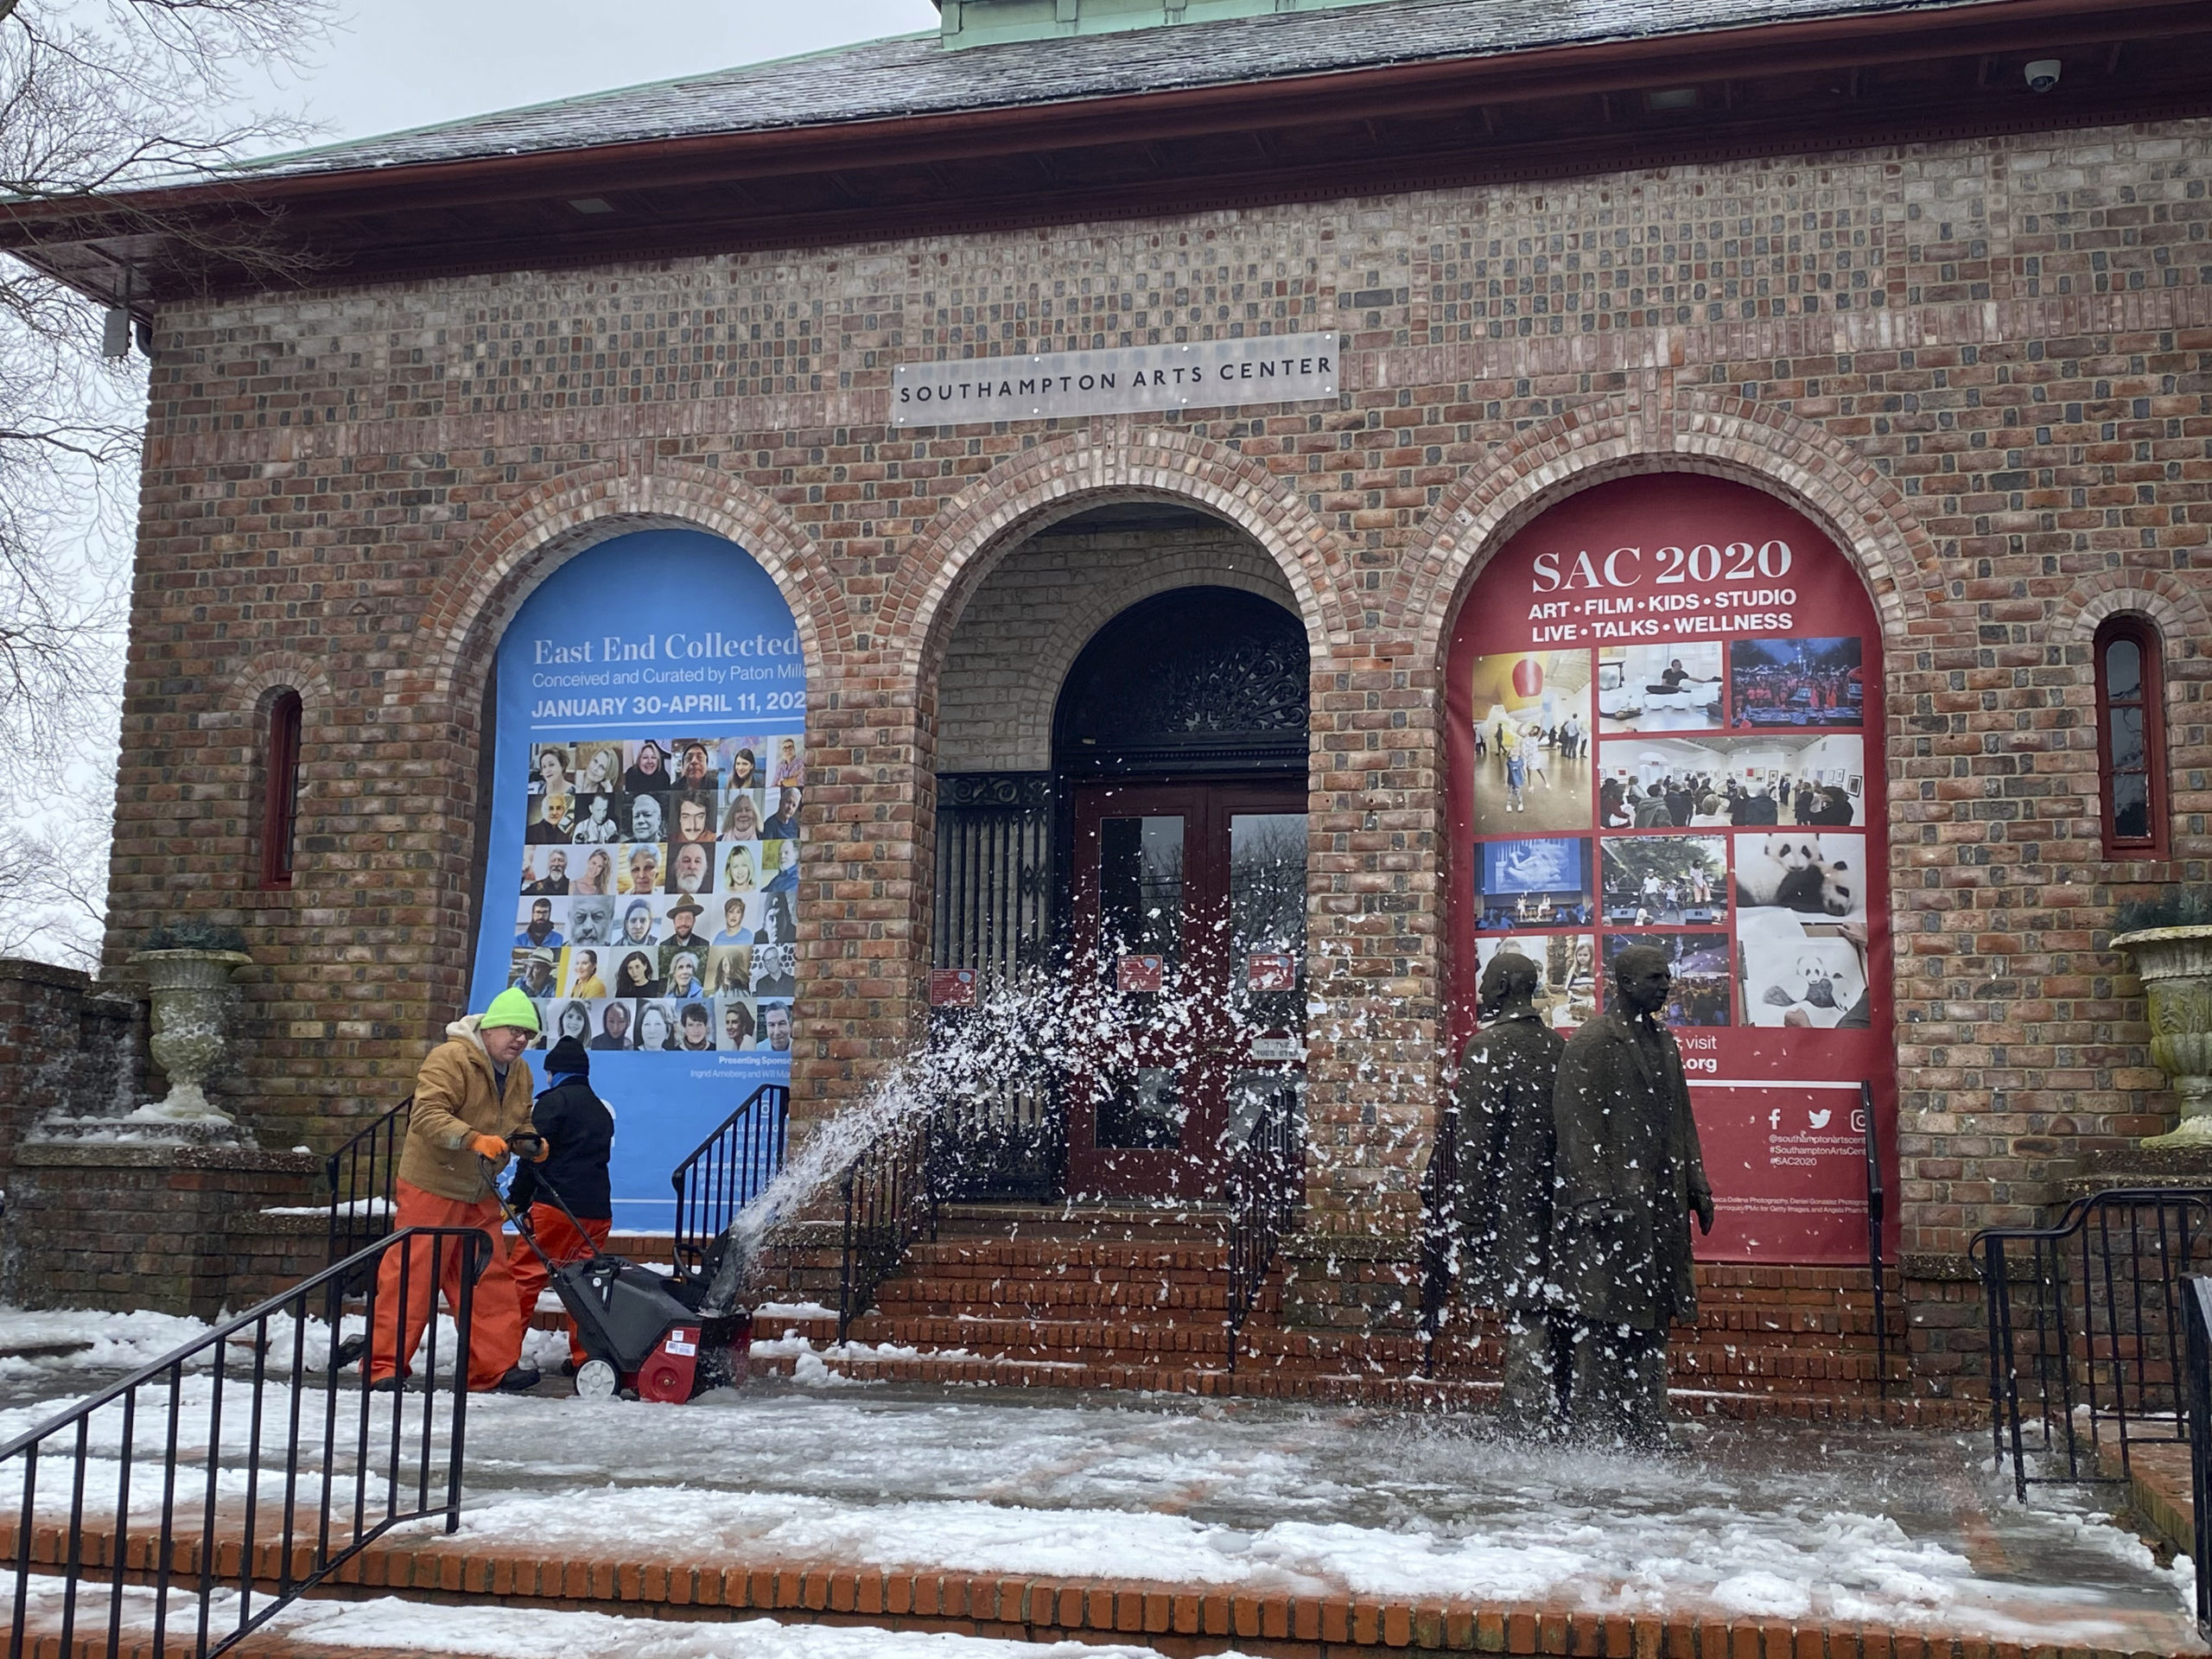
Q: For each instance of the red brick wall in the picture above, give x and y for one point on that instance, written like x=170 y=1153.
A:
x=1982 y=366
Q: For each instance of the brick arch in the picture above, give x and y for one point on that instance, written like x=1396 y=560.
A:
x=2184 y=626
x=957 y=548
x=1749 y=443
x=534 y=536
x=268 y=670
x=1038 y=697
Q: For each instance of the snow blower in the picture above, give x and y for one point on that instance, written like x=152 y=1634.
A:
x=646 y=1335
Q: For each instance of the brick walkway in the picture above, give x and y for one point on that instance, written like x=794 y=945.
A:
x=1171 y=1618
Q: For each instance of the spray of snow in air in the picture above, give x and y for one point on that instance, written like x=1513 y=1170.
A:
x=1060 y=1031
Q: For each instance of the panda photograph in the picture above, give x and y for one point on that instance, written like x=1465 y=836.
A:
x=1810 y=874
x=1801 y=930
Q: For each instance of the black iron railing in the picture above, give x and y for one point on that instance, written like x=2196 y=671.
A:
x=1008 y=1143
x=2196 y=1356
x=1878 y=1206
x=727 y=1171
x=1440 y=1224
x=1266 y=1184
x=271 y=1457
x=2085 y=1329
x=889 y=1203
x=360 y=1175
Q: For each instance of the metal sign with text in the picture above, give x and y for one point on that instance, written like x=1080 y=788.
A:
x=1133 y=380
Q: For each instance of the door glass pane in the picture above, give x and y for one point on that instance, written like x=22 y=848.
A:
x=2127 y=739
x=2123 y=670
x=1143 y=1110
x=1267 y=919
x=1140 y=891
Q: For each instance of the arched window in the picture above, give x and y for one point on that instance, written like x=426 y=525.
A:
x=2131 y=738
x=280 y=798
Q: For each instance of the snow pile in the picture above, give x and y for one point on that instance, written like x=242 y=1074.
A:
x=1769 y=1521
x=1850 y=1567
x=792 y=1310
x=117 y=1342
x=393 y=1626
x=399 y=1626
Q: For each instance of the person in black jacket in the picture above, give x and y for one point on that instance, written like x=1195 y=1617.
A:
x=579 y=1132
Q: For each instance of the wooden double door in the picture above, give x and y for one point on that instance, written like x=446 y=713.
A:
x=1189 y=916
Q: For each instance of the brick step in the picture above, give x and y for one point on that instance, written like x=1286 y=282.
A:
x=1203 y=1222
x=1134 y=1295
x=1256 y=1380
x=1049 y=1339
x=1045 y=1259
x=1097 y=1345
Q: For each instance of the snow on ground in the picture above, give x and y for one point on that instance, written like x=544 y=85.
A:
x=392 y=1624
x=531 y=1633
x=767 y=1311
x=1769 y=1519
x=89 y=1341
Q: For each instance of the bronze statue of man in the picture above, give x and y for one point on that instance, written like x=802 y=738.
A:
x=1630 y=1174
x=1506 y=1078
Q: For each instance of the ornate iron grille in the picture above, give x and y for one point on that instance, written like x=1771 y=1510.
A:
x=995 y=899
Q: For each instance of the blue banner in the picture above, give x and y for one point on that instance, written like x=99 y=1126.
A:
x=648 y=759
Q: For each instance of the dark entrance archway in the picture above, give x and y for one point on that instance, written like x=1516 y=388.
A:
x=1179 y=757
x=1194 y=682
x=1179 y=746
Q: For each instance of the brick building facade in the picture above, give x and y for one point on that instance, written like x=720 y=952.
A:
x=1981 y=361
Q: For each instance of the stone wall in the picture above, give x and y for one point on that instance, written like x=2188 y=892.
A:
x=112 y=1224
x=1984 y=366
x=64 y=1047
x=112 y=1217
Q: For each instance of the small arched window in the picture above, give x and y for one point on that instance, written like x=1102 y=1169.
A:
x=2131 y=737
x=280 y=799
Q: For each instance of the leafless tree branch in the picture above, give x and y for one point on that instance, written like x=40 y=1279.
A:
x=98 y=98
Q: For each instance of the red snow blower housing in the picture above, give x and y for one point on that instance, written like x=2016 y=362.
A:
x=646 y=1335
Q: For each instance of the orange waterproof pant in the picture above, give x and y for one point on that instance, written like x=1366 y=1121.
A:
x=495 y=1337
x=564 y=1244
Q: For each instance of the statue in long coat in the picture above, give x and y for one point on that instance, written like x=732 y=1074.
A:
x=1631 y=1173
x=1504 y=1097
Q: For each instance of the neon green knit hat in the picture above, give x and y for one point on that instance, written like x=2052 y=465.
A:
x=510 y=1008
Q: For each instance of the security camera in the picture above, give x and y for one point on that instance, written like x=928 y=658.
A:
x=2043 y=74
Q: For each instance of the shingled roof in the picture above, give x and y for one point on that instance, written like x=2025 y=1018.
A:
x=914 y=75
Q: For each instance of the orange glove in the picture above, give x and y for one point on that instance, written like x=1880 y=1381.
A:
x=488 y=1146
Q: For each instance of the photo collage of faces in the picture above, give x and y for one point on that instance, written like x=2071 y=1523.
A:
x=659 y=878
x=1709 y=798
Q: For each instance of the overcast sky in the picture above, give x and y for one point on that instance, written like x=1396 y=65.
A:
x=408 y=63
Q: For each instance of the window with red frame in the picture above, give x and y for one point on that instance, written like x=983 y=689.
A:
x=280 y=801
x=2131 y=737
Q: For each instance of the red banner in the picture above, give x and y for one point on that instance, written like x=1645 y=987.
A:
x=1665 y=706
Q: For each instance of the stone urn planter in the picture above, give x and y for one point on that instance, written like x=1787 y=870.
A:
x=188 y=980
x=2175 y=964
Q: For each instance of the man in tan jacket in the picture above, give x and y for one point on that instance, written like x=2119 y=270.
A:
x=473 y=1092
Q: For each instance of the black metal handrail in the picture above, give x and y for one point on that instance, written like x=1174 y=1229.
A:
x=889 y=1202
x=1266 y=1184
x=2196 y=1353
x=1878 y=1206
x=2085 y=1328
x=360 y=1175
x=727 y=1171
x=329 y=1436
